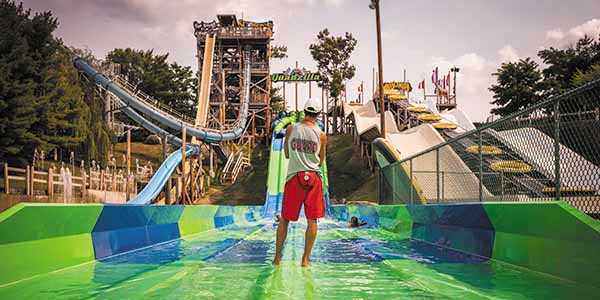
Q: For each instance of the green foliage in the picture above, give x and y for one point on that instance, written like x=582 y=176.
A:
x=279 y=51
x=171 y=84
x=563 y=64
x=518 y=86
x=43 y=104
x=581 y=78
x=521 y=84
x=276 y=100
x=332 y=55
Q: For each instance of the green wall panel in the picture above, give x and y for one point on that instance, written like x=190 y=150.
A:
x=38 y=238
x=196 y=219
x=29 y=221
x=25 y=259
x=551 y=238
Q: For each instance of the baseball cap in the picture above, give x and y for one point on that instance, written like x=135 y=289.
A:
x=312 y=106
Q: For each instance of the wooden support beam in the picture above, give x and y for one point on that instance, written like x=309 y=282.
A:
x=183 y=141
x=50 y=182
x=128 y=152
x=253 y=127
x=6 y=181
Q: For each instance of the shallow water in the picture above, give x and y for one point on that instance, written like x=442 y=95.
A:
x=234 y=263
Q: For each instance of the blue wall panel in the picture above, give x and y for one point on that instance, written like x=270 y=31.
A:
x=465 y=227
x=122 y=228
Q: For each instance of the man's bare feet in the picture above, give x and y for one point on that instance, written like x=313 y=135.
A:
x=306 y=263
x=276 y=261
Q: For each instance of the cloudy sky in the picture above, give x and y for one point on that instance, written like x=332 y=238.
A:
x=474 y=35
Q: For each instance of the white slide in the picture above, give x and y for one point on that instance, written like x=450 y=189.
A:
x=530 y=143
x=458 y=182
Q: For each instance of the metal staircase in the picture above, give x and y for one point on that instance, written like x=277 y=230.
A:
x=236 y=164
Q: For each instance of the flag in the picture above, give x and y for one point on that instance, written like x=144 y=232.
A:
x=447 y=81
x=443 y=83
x=421 y=85
x=434 y=76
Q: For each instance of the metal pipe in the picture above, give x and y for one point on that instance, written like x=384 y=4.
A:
x=200 y=133
x=437 y=173
x=375 y=5
x=557 y=183
x=480 y=155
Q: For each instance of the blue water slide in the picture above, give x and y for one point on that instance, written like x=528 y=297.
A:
x=129 y=103
x=158 y=181
x=203 y=134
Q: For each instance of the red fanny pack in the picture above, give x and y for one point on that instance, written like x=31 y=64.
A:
x=307 y=179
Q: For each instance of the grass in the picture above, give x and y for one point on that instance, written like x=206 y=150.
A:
x=142 y=152
x=250 y=187
x=349 y=177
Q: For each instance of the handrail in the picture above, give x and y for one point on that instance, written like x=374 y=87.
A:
x=205 y=134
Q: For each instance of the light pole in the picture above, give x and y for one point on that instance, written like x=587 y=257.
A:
x=454 y=70
x=375 y=5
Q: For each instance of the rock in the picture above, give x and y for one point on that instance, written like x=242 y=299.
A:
x=153 y=139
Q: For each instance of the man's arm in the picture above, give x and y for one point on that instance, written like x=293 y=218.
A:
x=323 y=151
x=288 y=132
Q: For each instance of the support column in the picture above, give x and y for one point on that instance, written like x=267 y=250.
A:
x=183 y=169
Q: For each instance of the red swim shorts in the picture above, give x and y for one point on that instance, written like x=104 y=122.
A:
x=304 y=188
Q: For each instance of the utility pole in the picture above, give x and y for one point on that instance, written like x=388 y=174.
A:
x=375 y=5
x=296 y=86
x=454 y=70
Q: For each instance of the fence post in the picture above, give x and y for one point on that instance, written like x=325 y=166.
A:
x=27 y=181
x=480 y=154
x=557 y=183
x=6 y=181
x=83 y=181
x=437 y=173
x=411 y=181
x=32 y=179
x=50 y=182
x=502 y=185
x=443 y=188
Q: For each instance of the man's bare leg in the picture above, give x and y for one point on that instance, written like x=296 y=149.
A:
x=309 y=241
x=282 y=230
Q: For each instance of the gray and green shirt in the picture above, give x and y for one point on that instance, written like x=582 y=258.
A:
x=304 y=146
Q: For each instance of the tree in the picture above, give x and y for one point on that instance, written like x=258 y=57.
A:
x=171 y=84
x=279 y=51
x=332 y=54
x=19 y=53
x=276 y=100
x=563 y=64
x=580 y=78
x=519 y=85
x=42 y=101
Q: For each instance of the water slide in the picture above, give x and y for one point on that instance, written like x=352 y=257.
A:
x=168 y=119
x=411 y=142
x=129 y=102
x=278 y=164
x=159 y=179
x=528 y=143
x=207 y=66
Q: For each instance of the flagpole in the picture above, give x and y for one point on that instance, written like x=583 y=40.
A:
x=284 y=103
x=362 y=91
x=296 y=86
x=373 y=84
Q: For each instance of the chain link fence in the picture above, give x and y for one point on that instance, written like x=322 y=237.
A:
x=550 y=151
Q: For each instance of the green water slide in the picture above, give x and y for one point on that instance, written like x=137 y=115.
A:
x=278 y=166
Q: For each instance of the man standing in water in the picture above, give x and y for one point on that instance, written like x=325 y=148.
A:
x=305 y=145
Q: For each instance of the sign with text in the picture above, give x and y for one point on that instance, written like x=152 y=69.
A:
x=296 y=74
x=395 y=85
